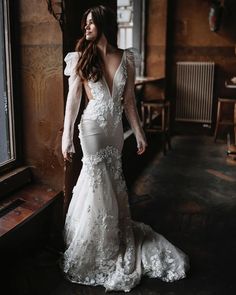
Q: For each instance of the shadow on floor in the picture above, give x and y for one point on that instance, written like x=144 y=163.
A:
x=189 y=197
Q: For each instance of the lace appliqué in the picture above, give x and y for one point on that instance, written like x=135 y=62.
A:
x=106 y=160
x=163 y=265
x=110 y=241
x=122 y=81
x=96 y=258
x=102 y=105
x=104 y=246
x=162 y=260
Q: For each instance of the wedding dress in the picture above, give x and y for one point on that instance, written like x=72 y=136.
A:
x=104 y=246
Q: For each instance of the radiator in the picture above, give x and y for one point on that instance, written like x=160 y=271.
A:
x=194 y=91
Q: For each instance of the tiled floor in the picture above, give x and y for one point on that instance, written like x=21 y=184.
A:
x=189 y=196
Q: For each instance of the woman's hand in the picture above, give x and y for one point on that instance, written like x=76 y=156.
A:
x=67 y=156
x=141 y=144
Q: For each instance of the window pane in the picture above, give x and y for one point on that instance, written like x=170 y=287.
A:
x=129 y=37
x=125 y=23
x=6 y=115
x=131 y=28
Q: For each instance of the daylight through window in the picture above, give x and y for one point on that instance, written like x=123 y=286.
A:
x=7 y=142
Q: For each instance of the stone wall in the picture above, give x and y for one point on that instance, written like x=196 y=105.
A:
x=42 y=91
x=155 y=45
x=156 y=38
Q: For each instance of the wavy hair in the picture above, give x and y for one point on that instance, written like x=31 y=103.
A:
x=89 y=64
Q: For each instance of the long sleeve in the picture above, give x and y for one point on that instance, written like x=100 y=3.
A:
x=72 y=103
x=130 y=107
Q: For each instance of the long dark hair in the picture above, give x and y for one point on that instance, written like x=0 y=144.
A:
x=89 y=64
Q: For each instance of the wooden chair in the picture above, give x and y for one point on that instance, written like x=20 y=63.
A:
x=153 y=109
x=223 y=121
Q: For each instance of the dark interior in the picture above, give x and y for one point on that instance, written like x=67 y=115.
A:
x=184 y=186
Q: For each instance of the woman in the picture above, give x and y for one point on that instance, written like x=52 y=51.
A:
x=104 y=246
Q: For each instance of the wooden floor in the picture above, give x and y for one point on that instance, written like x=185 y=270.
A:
x=189 y=196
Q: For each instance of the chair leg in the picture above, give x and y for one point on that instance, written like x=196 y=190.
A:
x=217 y=120
x=168 y=140
x=149 y=116
x=168 y=126
x=143 y=116
x=234 y=123
x=163 y=128
x=164 y=143
x=163 y=109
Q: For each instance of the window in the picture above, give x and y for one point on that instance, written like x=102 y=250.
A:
x=131 y=27
x=7 y=126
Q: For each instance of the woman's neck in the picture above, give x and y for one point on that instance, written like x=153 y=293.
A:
x=103 y=46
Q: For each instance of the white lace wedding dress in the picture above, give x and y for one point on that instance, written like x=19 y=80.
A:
x=104 y=246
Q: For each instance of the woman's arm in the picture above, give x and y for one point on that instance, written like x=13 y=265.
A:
x=130 y=104
x=72 y=104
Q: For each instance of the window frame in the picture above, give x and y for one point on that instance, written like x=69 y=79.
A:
x=138 y=31
x=12 y=45
x=139 y=25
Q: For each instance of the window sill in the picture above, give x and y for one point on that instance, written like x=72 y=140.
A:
x=21 y=206
x=29 y=212
x=14 y=180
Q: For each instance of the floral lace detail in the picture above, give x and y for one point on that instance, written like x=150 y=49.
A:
x=122 y=80
x=116 y=110
x=162 y=264
x=106 y=160
x=106 y=266
x=109 y=264
x=102 y=106
x=97 y=108
x=161 y=259
x=119 y=91
x=101 y=259
x=110 y=241
x=104 y=246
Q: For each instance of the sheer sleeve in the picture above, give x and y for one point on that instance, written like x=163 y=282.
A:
x=72 y=103
x=129 y=97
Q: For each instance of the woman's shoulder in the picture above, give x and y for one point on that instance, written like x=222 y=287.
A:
x=131 y=51
x=118 y=52
x=133 y=56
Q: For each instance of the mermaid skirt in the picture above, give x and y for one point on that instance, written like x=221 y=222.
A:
x=104 y=246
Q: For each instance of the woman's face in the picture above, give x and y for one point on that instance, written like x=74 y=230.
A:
x=90 y=28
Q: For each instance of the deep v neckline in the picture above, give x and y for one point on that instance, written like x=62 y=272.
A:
x=114 y=77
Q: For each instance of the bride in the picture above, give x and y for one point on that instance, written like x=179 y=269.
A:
x=103 y=245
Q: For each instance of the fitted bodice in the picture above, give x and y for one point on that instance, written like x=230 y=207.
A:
x=106 y=106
